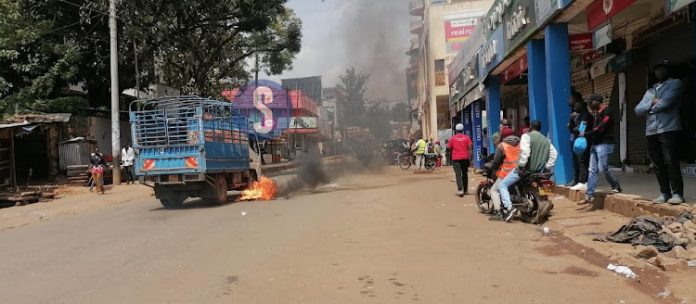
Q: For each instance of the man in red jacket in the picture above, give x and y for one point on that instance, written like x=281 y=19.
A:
x=460 y=144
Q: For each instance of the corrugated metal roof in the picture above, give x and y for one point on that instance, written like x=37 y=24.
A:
x=13 y=125
x=41 y=118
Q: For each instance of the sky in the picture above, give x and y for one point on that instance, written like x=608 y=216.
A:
x=371 y=35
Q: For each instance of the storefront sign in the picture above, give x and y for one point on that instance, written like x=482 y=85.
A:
x=495 y=15
x=459 y=27
x=491 y=53
x=674 y=5
x=580 y=77
x=468 y=53
x=602 y=36
x=580 y=42
x=477 y=119
x=303 y=123
x=545 y=9
x=621 y=62
x=601 y=10
x=600 y=67
x=520 y=22
x=515 y=69
x=591 y=56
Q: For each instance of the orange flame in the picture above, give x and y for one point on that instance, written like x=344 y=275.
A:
x=265 y=189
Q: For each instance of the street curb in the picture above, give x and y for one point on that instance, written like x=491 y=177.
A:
x=623 y=204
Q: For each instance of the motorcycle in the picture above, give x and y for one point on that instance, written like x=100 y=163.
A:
x=530 y=198
x=430 y=161
x=483 y=195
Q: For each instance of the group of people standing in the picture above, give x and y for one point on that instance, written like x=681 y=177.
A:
x=595 y=122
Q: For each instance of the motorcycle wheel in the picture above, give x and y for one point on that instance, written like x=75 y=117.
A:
x=483 y=198
x=405 y=161
x=430 y=164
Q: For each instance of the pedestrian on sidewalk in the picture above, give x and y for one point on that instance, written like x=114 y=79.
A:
x=660 y=105
x=581 y=162
x=419 y=148
x=460 y=144
x=127 y=159
x=437 y=149
x=601 y=141
x=537 y=154
x=507 y=154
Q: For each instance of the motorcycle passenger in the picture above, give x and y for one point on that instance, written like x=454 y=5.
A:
x=537 y=154
x=507 y=154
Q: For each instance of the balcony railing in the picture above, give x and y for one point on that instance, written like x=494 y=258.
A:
x=416 y=7
x=416 y=26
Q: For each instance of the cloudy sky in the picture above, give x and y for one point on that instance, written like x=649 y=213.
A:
x=371 y=35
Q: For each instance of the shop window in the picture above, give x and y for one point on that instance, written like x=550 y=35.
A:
x=440 y=72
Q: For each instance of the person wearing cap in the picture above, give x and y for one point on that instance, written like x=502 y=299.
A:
x=660 y=105
x=537 y=154
x=460 y=144
x=507 y=153
x=601 y=142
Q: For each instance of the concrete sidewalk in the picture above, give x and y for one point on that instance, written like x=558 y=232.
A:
x=638 y=191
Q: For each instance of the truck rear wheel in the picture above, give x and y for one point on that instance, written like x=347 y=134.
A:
x=173 y=202
x=220 y=189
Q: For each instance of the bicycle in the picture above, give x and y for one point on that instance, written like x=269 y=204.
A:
x=405 y=160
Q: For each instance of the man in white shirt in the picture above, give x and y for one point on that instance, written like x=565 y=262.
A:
x=127 y=159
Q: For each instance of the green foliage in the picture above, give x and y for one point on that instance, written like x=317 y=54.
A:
x=400 y=112
x=353 y=84
x=196 y=45
x=70 y=104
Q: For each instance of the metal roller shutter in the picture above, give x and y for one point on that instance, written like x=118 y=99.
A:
x=676 y=46
x=636 y=84
x=603 y=85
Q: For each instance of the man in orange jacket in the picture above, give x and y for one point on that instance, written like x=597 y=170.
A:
x=505 y=160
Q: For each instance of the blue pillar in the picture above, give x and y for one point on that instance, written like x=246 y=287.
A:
x=493 y=109
x=477 y=127
x=558 y=84
x=538 y=96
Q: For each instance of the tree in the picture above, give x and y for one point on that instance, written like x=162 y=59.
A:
x=195 y=45
x=204 y=44
x=352 y=83
x=400 y=112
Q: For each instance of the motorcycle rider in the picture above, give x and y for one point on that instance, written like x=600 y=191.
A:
x=536 y=155
x=507 y=154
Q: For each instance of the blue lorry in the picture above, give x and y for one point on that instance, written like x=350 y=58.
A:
x=189 y=146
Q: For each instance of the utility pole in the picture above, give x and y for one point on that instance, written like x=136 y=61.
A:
x=137 y=72
x=115 y=124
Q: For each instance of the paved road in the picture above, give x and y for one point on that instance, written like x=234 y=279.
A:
x=389 y=237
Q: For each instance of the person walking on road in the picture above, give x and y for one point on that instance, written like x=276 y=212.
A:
x=459 y=146
x=601 y=142
x=581 y=116
x=505 y=160
x=660 y=105
x=419 y=149
x=537 y=154
x=127 y=159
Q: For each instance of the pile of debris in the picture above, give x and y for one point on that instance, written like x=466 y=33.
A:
x=30 y=195
x=78 y=174
x=675 y=235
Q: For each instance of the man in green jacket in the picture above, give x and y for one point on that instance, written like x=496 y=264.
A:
x=537 y=154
